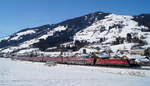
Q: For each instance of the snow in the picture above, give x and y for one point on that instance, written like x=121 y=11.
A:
x=56 y=54
x=71 y=44
x=5 y=38
x=125 y=46
x=51 y=32
x=23 y=46
x=104 y=55
x=27 y=50
x=88 y=50
x=51 y=54
x=94 y=32
x=60 y=28
x=18 y=35
x=9 y=50
x=91 y=34
x=26 y=32
x=138 y=58
x=147 y=35
x=17 y=73
x=27 y=44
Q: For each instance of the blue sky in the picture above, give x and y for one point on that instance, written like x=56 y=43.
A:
x=19 y=14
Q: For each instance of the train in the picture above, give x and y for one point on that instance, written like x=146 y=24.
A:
x=99 y=61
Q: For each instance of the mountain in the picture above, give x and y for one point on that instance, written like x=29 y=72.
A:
x=93 y=29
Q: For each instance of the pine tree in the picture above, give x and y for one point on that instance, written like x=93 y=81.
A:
x=129 y=37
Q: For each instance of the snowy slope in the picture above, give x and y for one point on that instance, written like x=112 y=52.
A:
x=51 y=32
x=90 y=28
x=18 y=73
x=5 y=38
x=18 y=35
x=111 y=27
x=126 y=46
x=28 y=44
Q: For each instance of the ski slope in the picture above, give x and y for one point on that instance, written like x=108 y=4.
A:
x=22 y=73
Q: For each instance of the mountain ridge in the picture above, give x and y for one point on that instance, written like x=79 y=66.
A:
x=99 y=23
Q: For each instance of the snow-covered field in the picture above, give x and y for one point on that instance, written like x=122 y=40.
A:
x=21 y=73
